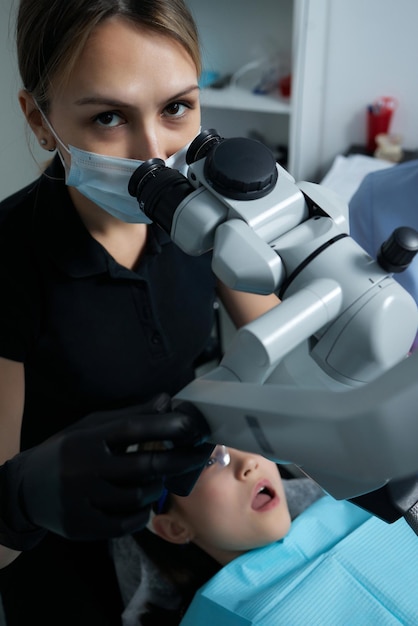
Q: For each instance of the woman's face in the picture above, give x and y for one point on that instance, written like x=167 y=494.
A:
x=235 y=508
x=132 y=94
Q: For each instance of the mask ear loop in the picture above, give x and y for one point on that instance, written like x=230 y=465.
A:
x=54 y=134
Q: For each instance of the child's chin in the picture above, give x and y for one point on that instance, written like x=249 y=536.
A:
x=273 y=538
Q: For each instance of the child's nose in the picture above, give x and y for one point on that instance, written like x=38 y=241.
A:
x=247 y=464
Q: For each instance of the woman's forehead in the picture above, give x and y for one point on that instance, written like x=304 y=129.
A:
x=120 y=59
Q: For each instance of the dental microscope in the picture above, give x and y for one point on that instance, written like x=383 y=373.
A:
x=324 y=380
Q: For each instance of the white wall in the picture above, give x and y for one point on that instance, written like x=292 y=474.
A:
x=264 y=31
x=234 y=33
x=20 y=158
x=372 y=51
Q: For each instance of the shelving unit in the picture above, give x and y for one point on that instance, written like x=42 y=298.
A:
x=235 y=34
x=241 y=99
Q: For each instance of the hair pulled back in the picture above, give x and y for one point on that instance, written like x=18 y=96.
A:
x=51 y=34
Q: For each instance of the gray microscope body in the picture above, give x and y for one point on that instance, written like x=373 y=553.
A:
x=324 y=380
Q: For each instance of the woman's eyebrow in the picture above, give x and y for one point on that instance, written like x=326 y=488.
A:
x=184 y=92
x=113 y=102
x=102 y=100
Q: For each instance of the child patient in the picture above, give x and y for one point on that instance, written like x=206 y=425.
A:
x=233 y=537
x=237 y=504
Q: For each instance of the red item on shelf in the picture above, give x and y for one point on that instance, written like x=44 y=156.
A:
x=285 y=85
x=379 y=117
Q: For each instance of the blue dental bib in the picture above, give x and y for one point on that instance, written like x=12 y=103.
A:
x=338 y=565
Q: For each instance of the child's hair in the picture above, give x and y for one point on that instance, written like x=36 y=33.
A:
x=187 y=567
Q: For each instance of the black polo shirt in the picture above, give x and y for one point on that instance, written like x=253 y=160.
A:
x=92 y=335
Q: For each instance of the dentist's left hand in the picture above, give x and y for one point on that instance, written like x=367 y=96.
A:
x=82 y=484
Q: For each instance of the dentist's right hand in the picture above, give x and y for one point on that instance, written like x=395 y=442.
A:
x=84 y=485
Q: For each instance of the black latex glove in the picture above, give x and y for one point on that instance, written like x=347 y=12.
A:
x=82 y=484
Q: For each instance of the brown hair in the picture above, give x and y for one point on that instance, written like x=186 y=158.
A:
x=51 y=34
x=185 y=566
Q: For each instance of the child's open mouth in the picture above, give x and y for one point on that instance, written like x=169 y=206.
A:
x=263 y=496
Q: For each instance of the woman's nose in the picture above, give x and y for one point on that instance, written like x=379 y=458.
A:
x=147 y=145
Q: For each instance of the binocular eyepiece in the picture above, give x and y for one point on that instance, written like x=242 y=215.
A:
x=237 y=168
x=160 y=189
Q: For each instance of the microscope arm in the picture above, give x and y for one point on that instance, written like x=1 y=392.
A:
x=323 y=380
x=350 y=441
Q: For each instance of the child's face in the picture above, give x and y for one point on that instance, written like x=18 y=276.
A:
x=234 y=508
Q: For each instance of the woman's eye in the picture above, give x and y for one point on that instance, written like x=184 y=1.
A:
x=210 y=462
x=109 y=119
x=175 y=109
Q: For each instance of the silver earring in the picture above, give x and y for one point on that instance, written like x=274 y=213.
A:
x=43 y=142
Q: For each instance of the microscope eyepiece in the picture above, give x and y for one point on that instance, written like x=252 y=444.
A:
x=159 y=190
x=141 y=175
x=202 y=145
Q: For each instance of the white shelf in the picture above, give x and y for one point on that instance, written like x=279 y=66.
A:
x=240 y=99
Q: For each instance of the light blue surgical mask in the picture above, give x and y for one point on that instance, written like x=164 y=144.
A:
x=104 y=179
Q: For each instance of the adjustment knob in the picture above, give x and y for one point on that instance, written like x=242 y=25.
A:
x=241 y=168
x=397 y=252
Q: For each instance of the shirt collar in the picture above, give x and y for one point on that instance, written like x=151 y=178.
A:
x=61 y=231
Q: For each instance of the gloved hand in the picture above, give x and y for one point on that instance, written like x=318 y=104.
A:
x=83 y=484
